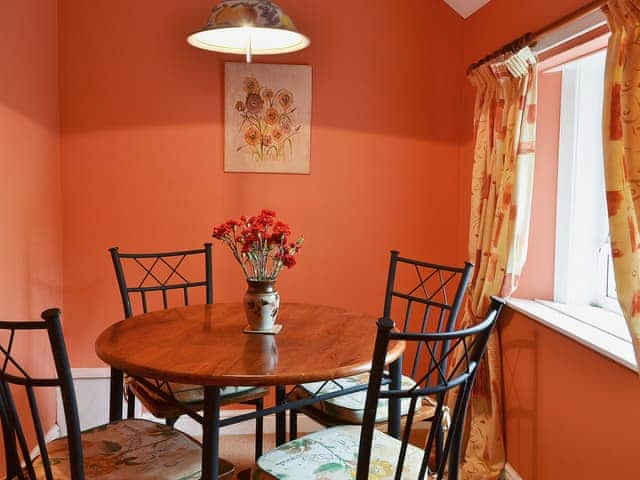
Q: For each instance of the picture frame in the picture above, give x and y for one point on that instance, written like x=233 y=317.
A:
x=268 y=118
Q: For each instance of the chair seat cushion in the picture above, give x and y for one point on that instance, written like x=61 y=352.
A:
x=332 y=454
x=350 y=408
x=129 y=449
x=190 y=395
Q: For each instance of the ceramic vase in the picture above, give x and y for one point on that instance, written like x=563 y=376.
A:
x=261 y=304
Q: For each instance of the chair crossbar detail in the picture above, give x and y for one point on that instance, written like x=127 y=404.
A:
x=429 y=265
x=173 y=270
x=159 y=288
x=424 y=301
x=162 y=254
x=8 y=359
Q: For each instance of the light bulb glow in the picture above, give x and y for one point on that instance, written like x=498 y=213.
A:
x=264 y=41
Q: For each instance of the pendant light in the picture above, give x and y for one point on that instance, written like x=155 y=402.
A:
x=249 y=27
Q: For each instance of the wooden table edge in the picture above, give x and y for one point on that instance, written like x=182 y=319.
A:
x=396 y=350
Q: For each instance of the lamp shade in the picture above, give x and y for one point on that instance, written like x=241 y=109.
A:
x=249 y=26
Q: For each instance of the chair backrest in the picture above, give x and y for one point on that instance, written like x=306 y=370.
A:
x=425 y=296
x=455 y=383
x=15 y=376
x=161 y=273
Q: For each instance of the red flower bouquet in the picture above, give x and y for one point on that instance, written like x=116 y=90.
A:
x=260 y=244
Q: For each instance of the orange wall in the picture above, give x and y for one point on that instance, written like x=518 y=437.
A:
x=571 y=413
x=30 y=213
x=142 y=148
x=30 y=209
x=537 y=274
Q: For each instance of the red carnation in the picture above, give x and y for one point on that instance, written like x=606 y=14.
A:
x=281 y=228
x=288 y=260
x=265 y=220
x=275 y=238
x=220 y=231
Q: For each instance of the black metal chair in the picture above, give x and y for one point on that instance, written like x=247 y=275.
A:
x=125 y=449
x=158 y=276
x=427 y=297
x=365 y=452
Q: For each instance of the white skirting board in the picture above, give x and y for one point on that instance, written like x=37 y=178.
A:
x=48 y=437
x=510 y=473
x=92 y=392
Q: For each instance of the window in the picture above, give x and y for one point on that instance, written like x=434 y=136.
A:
x=584 y=304
x=583 y=264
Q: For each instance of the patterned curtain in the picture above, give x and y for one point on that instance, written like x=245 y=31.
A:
x=621 y=131
x=504 y=131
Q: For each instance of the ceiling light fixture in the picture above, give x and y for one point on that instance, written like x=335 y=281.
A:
x=249 y=27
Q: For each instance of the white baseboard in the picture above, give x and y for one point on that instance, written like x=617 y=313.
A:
x=48 y=437
x=92 y=392
x=510 y=473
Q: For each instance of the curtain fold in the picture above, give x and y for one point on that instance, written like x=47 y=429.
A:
x=501 y=191
x=621 y=137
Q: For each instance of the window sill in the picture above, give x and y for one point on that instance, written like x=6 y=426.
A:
x=597 y=329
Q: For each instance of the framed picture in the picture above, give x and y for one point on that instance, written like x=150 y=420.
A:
x=267 y=118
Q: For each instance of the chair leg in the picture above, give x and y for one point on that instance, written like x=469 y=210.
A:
x=244 y=474
x=439 y=443
x=171 y=422
x=259 y=428
x=293 y=424
x=131 y=404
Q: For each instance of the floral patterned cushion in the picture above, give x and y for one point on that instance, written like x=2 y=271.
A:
x=190 y=395
x=350 y=408
x=185 y=393
x=332 y=454
x=130 y=449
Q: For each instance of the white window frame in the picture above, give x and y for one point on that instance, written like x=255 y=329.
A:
x=595 y=327
x=582 y=254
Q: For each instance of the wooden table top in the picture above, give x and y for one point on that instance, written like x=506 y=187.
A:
x=205 y=345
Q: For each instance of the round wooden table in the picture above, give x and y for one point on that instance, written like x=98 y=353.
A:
x=205 y=345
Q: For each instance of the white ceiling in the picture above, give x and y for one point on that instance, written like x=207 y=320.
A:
x=466 y=8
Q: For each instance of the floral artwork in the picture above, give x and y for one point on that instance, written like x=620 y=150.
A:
x=268 y=114
x=267 y=120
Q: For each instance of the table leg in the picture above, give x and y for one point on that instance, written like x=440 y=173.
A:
x=281 y=418
x=395 y=414
x=116 y=393
x=211 y=433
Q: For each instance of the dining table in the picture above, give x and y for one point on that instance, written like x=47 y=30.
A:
x=205 y=345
